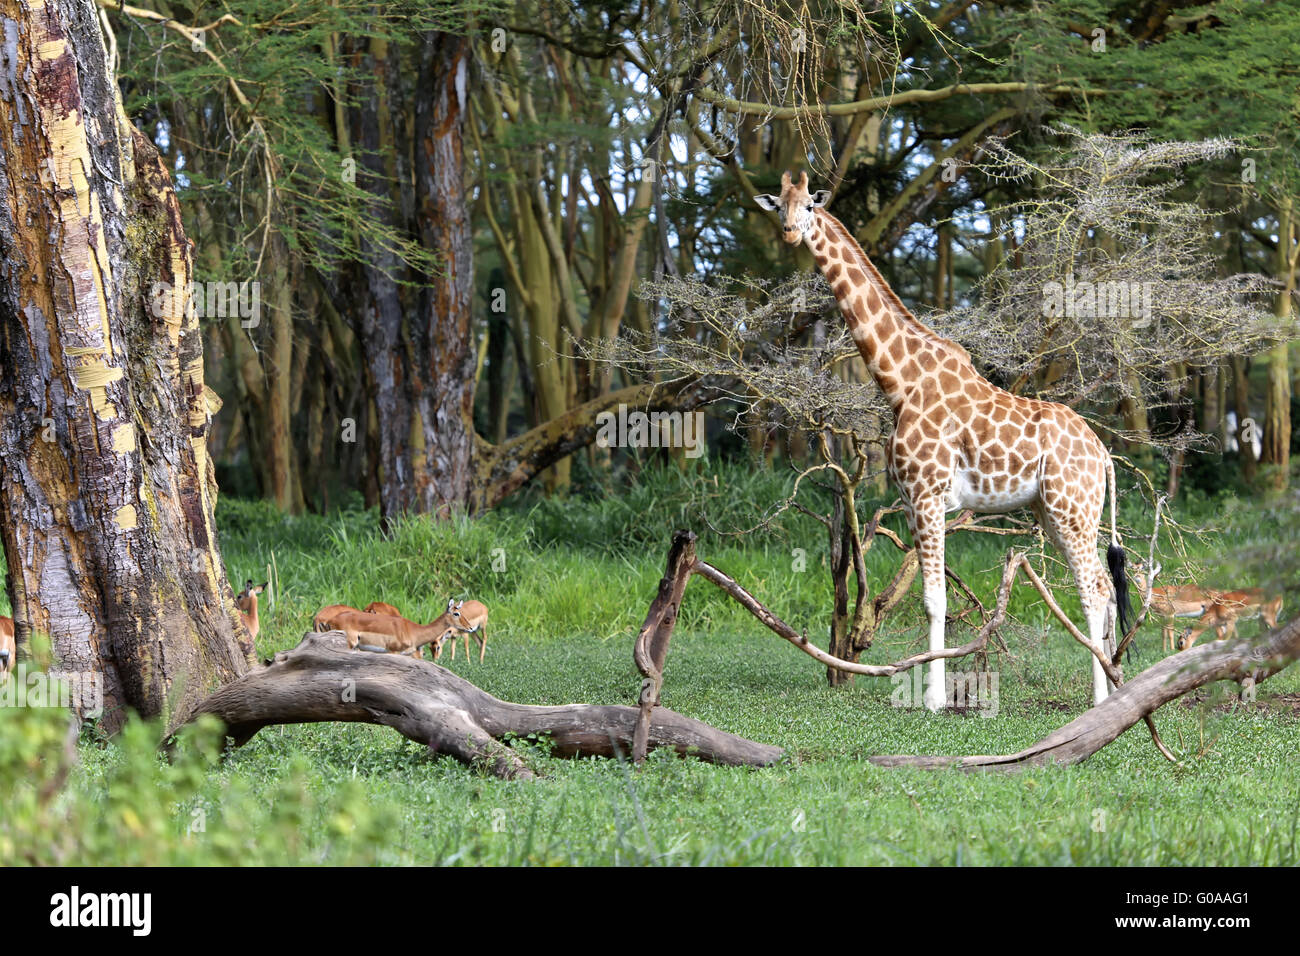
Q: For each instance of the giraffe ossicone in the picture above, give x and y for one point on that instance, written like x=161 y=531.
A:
x=961 y=442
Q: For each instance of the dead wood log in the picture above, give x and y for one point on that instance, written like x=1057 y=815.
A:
x=322 y=680
x=1243 y=659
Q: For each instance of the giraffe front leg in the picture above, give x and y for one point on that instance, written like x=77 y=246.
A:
x=928 y=534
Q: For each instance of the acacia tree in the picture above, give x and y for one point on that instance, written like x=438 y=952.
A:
x=1112 y=295
x=106 y=490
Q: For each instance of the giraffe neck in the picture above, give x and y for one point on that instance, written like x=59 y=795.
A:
x=895 y=345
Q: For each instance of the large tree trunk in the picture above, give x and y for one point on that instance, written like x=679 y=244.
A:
x=445 y=476
x=379 y=301
x=105 y=493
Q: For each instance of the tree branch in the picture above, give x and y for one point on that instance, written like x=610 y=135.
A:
x=885 y=101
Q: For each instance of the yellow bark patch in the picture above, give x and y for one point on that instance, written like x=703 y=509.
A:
x=126 y=518
x=83 y=247
x=213 y=399
x=95 y=375
x=124 y=438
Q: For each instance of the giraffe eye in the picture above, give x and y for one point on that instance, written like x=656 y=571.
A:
x=810 y=208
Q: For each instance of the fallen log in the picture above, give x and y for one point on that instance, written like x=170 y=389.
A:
x=1247 y=660
x=322 y=680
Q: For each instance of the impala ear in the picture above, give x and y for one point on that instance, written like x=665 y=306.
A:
x=769 y=202
x=821 y=197
x=459 y=605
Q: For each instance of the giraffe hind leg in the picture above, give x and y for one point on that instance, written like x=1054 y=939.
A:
x=1093 y=582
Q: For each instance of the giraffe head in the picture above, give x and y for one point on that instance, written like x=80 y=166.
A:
x=795 y=206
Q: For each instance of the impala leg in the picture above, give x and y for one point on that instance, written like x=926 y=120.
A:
x=465 y=636
x=481 y=637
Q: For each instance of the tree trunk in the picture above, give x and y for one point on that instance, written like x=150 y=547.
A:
x=1276 y=451
x=378 y=302
x=285 y=490
x=105 y=496
x=421 y=370
x=1241 y=407
x=445 y=385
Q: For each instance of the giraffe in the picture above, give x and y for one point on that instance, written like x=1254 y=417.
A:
x=961 y=442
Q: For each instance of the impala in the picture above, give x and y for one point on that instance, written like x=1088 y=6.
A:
x=246 y=601
x=8 y=648
x=471 y=618
x=1228 y=608
x=1175 y=601
x=379 y=607
x=386 y=632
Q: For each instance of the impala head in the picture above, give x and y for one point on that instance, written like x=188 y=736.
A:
x=244 y=599
x=795 y=206
x=454 y=608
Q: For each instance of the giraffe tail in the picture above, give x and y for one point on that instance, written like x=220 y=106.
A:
x=1115 y=561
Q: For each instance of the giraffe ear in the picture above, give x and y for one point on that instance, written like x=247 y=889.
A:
x=821 y=197
x=769 y=202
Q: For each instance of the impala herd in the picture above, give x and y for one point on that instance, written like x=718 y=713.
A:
x=380 y=628
x=1220 y=610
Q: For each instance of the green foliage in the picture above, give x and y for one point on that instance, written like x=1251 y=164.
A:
x=126 y=805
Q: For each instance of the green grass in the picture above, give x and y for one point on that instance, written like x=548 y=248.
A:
x=576 y=580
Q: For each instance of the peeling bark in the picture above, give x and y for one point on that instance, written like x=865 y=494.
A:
x=106 y=510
